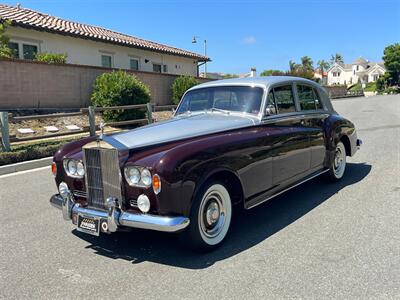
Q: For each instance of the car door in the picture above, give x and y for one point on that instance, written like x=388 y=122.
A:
x=289 y=137
x=313 y=118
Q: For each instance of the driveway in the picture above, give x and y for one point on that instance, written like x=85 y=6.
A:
x=318 y=240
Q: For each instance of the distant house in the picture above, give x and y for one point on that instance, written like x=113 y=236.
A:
x=321 y=76
x=32 y=32
x=360 y=71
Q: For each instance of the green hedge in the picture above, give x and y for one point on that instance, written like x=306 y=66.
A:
x=52 y=58
x=119 y=88
x=31 y=151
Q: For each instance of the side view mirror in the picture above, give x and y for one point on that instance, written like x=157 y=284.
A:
x=270 y=110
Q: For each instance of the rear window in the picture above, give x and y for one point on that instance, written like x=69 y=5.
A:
x=308 y=98
x=284 y=99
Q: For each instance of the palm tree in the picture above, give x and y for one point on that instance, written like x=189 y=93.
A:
x=322 y=66
x=307 y=63
x=337 y=58
x=293 y=66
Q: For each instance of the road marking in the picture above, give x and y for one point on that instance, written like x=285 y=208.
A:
x=24 y=172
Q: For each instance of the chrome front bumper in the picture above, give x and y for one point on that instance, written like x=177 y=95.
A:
x=115 y=217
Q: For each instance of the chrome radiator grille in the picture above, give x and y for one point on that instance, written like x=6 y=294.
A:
x=103 y=178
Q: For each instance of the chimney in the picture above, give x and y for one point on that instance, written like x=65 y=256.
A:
x=253 y=72
x=18 y=5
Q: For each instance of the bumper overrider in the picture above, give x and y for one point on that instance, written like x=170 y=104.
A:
x=114 y=218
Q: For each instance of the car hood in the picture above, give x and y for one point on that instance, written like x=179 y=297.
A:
x=182 y=127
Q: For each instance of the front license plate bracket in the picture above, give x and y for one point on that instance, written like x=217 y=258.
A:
x=90 y=225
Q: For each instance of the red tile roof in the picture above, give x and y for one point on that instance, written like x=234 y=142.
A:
x=28 y=18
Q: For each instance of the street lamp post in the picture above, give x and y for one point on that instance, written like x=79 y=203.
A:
x=194 y=41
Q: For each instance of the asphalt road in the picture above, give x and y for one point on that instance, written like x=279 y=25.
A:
x=316 y=241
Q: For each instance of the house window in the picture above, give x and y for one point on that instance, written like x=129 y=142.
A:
x=165 y=69
x=334 y=74
x=29 y=51
x=357 y=67
x=134 y=64
x=338 y=74
x=106 y=61
x=157 y=68
x=14 y=49
x=376 y=77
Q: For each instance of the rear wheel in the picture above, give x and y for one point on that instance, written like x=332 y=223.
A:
x=338 y=165
x=210 y=218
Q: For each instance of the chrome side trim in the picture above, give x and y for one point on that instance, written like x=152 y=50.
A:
x=285 y=190
x=122 y=218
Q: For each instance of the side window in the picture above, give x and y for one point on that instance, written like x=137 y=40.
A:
x=308 y=98
x=284 y=99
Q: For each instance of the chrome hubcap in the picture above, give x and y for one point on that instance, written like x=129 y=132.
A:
x=339 y=162
x=212 y=218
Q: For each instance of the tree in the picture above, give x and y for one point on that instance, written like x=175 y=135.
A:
x=181 y=85
x=337 y=58
x=293 y=66
x=323 y=65
x=307 y=63
x=391 y=58
x=5 y=51
x=272 y=73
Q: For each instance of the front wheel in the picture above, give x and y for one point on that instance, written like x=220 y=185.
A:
x=338 y=165
x=210 y=218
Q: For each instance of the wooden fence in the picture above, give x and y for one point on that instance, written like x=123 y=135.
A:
x=90 y=112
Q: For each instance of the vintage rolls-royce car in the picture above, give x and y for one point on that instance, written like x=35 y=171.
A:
x=230 y=142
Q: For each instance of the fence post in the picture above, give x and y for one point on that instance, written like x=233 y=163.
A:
x=92 y=121
x=5 y=134
x=149 y=113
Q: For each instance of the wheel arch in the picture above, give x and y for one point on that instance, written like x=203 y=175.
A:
x=230 y=180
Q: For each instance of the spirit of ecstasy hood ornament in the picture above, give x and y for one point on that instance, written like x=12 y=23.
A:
x=102 y=125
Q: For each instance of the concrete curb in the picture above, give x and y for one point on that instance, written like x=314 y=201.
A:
x=26 y=165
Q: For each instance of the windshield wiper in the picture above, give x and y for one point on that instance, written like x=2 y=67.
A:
x=220 y=110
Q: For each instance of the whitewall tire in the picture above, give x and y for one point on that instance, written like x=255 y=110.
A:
x=210 y=218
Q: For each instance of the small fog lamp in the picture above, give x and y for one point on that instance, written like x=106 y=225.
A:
x=63 y=190
x=143 y=203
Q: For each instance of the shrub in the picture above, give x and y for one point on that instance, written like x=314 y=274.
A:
x=370 y=87
x=52 y=58
x=31 y=151
x=5 y=51
x=119 y=88
x=181 y=85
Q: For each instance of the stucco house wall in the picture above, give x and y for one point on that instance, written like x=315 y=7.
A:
x=88 y=52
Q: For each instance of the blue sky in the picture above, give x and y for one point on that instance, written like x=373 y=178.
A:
x=242 y=34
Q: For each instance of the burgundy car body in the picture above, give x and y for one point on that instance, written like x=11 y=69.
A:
x=257 y=160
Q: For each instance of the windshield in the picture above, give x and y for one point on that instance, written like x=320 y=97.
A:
x=223 y=99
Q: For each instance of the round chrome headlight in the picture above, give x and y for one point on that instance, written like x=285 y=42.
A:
x=71 y=166
x=132 y=175
x=80 y=169
x=146 y=177
x=74 y=168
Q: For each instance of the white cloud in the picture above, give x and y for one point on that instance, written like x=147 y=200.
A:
x=248 y=40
